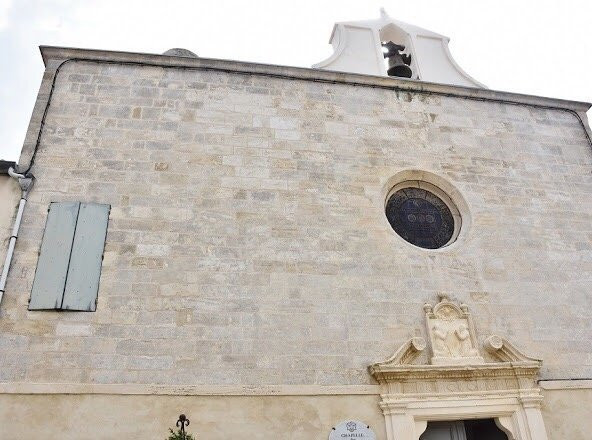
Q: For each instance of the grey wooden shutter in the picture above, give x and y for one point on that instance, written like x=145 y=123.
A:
x=82 y=283
x=69 y=265
x=54 y=259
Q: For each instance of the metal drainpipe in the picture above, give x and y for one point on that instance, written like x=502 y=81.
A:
x=25 y=182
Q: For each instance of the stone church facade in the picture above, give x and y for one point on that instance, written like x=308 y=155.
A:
x=251 y=279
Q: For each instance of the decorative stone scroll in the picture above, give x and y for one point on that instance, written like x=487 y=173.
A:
x=457 y=383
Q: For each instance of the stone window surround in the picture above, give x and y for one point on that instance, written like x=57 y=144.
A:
x=439 y=186
x=441 y=195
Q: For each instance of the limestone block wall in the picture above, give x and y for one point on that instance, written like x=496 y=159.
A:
x=567 y=413
x=247 y=241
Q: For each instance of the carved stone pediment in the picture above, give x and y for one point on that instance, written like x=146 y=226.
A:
x=454 y=351
x=407 y=353
x=503 y=351
x=452 y=380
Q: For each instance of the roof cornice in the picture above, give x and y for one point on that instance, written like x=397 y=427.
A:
x=54 y=55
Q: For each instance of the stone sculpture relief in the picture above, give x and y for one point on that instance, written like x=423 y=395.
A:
x=451 y=334
x=458 y=384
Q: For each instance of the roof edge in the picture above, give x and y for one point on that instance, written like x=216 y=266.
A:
x=54 y=55
x=5 y=165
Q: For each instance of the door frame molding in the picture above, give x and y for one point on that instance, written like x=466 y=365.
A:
x=493 y=380
x=518 y=418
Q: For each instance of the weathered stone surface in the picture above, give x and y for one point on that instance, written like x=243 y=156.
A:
x=567 y=413
x=104 y=417
x=248 y=244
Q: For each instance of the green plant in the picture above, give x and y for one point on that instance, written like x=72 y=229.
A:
x=178 y=435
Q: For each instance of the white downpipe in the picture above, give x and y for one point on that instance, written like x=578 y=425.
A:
x=25 y=183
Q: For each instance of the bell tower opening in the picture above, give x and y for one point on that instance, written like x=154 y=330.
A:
x=389 y=47
x=477 y=429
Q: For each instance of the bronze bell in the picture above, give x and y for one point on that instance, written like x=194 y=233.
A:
x=398 y=63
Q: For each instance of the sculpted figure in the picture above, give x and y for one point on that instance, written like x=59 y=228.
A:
x=440 y=347
x=466 y=348
x=451 y=334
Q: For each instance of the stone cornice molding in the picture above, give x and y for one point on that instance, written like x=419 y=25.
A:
x=565 y=384
x=186 y=390
x=54 y=55
x=388 y=373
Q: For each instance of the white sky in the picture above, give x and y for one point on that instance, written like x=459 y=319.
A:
x=539 y=47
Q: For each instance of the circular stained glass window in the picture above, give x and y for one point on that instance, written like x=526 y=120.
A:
x=420 y=217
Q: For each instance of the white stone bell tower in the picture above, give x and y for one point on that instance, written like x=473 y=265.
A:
x=358 y=48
